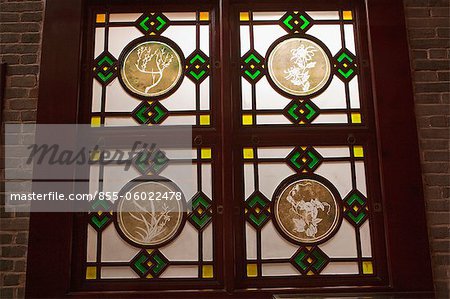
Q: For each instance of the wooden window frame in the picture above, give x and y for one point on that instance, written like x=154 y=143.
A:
x=50 y=252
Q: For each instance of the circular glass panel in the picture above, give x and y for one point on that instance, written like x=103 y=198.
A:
x=306 y=211
x=299 y=66
x=148 y=214
x=151 y=68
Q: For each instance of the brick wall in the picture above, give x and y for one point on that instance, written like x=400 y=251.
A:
x=428 y=27
x=428 y=24
x=20 y=37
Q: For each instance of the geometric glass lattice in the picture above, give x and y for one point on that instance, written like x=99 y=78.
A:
x=301 y=112
x=304 y=159
x=197 y=68
x=100 y=217
x=301 y=203
x=105 y=68
x=152 y=24
x=150 y=161
x=355 y=208
x=100 y=220
x=345 y=65
x=146 y=74
x=305 y=63
x=150 y=113
x=296 y=22
x=149 y=263
x=201 y=214
x=252 y=66
x=309 y=261
x=257 y=209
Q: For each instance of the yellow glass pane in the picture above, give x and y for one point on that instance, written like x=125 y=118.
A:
x=247 y=119
x=95 y=155
x=244 y=16
x=91 y=272
x=367 y=268
x=356 y=118
x=358 y=151
x=347 y=15
x=248 y=153
x=149 y=276
x=252 y=270
x=95 y=121
x=205 y=120
x=204 y=16
x=206 y=153
x=101 y=18
x=207 y=271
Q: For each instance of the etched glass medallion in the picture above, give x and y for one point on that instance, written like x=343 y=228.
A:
x=306 y=211
x=150 y=213
x=299 y=66
x=151 y=68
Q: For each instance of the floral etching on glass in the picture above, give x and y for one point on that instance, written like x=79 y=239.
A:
x=306 y=210
x=299 y=73
x=151 y=68
x=153 y=63
x=150 y=222
x=298 y=66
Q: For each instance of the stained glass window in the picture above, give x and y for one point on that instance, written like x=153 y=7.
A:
x=121 y=246
x=306 y=206
x=299 y=68
x=304 y=201
x=307 y=211
x=152 y=68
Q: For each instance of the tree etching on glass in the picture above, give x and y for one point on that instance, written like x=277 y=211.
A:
x=299 y=73
x=153 y=223
x=153 y=63
x=306 y=211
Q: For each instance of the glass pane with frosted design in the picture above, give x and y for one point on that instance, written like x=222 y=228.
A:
x=190 y=31
x=342 y=252
x=337 y=104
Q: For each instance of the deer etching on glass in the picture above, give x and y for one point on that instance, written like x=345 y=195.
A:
x=299 y=73
x=153 y=62
x=306 y=211
x=152 y=223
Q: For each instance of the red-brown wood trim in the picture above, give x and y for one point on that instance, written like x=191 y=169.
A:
x=49 y=247
x=403 y=201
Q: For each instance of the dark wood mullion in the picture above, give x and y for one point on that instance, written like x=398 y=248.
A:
x=104 y=86
x=128 y=114
x=276 y=22
x=258 y=230
x=99 y=233
x=252 y=48
x=226 y=124
x=172 y=23
x=322 y=111
x=199 y=164
x=346 y=83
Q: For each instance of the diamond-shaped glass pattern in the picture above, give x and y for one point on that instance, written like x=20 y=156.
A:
x=152 y=24
x=257 y=209
x=304 y=159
